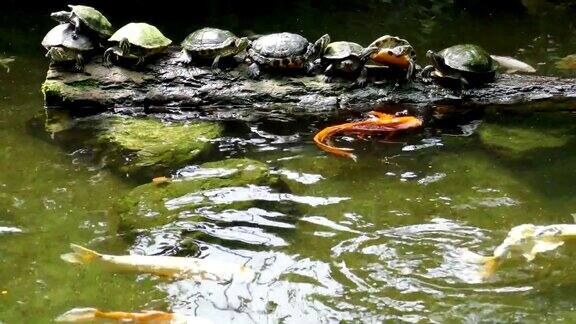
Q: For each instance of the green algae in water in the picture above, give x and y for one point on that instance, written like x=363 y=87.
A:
x=148 y=205
x=137 y=144
x=515 y=134
x=139 y=147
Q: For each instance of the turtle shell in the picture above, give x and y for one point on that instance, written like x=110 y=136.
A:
x=208 y=39
x=94 y=19
x=141 y=34
x=342 y=50
x=62 y=35
x=468 y=58
x=281 y=45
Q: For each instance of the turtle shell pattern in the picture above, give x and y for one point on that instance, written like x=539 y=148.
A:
x=397 y=47
x=468 y=58
x=342 y=50
x=94 y=19
x=142 y=35
x=210 y=42
x=62 y=35
x=281 y=50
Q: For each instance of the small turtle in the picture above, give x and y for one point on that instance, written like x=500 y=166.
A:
x=84 y=17
x=212 y=43
x=284 y=51
x=136 y=41
x=346 y=58
x=393 y=52
x=63 y=46
x=465 y=64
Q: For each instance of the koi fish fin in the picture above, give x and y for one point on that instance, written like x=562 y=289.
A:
x=81 y=255
x=491 y=264
x=77 y=315
x=541 y=246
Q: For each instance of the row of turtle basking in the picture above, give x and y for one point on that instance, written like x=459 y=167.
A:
x=83 y=30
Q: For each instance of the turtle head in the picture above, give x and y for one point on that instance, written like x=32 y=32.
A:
x=436 y=60
x=349 y=65
x=321 y=44
x=124 y=45
x=367 y=52
x=241 y=44
x=61 y=16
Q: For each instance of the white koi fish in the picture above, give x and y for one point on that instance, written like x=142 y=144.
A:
x=529 y=240
x=511 y=65
x=167 y=266
x=150 y=317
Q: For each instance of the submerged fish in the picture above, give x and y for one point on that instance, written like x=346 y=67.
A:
x=157 y=317
x=5 y=62
x=377 y=123
x=529 y=240
x=511 y=65
x=167 y=266
x=566 y=63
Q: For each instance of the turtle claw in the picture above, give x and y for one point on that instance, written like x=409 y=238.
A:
x=327 y=79
x=216 y=65
x=254 y=71
x=108 y=57
x=186 y=58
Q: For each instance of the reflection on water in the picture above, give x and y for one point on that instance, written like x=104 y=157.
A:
x=388 y=237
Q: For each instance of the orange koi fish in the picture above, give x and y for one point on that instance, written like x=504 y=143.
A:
x=379 y=123
x=151 y=317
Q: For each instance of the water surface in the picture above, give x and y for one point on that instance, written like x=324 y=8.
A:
x=368 y=241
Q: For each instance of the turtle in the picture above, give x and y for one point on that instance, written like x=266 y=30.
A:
x=212 y=43
x=63 y=47
x=136 y=41
x=393 y=52
x=85 y=20
x=465 y=64
x=284 y=51
x=346 y=58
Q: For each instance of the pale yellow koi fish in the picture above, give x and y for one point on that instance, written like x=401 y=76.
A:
x=529 y=240
x=150 y=317
x=511 y=65
x=167 y=266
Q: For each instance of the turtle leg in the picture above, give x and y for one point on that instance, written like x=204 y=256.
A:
x=313 y=67
x=186 y=57
x=254 y=70
x=426 y=74
x=77 y=26
x=79 y=66
x=362 y=78
x=329 y=74
x=410 y=70
x=141 y=59
x=463 y=83
x=216 y=64
x=108 y=56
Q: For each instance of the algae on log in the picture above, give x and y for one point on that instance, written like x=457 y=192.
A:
x=152 y=205
x=139 y=147
x=165 y=85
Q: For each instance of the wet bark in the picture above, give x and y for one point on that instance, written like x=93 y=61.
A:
x=163 y=85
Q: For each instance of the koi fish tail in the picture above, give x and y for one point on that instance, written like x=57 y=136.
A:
x=77 y=315
x=81 y=255
x=491 y=264
x=324 y=135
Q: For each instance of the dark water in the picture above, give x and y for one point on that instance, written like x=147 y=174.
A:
x=369 y=241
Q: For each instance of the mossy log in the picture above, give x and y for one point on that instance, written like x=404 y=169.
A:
x=164 y=85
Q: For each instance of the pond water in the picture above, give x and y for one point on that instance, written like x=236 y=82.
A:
x=379 y=239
